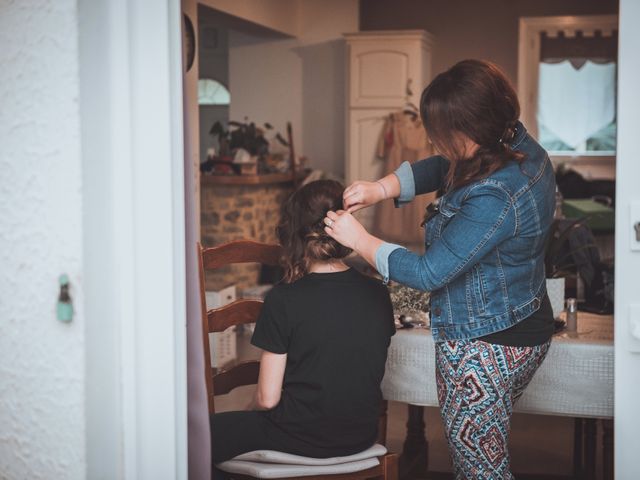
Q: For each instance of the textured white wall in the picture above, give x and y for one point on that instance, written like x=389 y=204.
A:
x=41 y=360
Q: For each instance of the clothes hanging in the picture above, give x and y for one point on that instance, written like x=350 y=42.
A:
x=403 y=138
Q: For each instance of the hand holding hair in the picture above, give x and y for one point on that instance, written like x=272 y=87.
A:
x=347 y=230
x=362 y=194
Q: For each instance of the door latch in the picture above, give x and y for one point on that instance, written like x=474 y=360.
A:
x=635 y=223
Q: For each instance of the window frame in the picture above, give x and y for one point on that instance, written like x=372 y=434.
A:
x=530 y=29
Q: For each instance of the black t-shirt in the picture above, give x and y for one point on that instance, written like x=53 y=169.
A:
x=534 y=330
x=335 y=329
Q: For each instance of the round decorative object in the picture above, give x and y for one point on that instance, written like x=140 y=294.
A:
x=189 y=43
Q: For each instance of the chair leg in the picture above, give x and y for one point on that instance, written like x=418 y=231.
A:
x=390 y=466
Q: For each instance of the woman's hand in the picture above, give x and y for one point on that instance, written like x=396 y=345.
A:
x=344 y=228
x=363 y=194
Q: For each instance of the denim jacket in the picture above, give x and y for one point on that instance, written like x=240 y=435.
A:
x=484 y=249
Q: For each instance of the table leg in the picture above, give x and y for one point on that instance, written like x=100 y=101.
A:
x=415 y=452
x=590 y=448
x=607 y=449
x=578 y=448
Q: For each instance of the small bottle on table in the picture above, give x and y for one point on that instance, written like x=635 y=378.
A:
x=572 y=315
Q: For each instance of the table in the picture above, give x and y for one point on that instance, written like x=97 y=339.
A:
x=575 y=380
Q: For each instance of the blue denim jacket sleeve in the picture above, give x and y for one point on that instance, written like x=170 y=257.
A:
x=382 y=259
x=420 y=177
x=485 y=219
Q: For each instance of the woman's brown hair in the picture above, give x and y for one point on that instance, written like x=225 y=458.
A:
x=473 y=98
x=301 y=228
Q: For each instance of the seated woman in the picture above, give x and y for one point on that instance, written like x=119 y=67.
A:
x=324 y=335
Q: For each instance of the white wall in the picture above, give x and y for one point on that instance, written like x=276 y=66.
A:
x=265 y=80
x=42 y=360
x=301 y=80
x=279 y=15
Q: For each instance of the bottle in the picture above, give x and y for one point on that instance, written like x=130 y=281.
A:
x=558 y=214
x=572 y=315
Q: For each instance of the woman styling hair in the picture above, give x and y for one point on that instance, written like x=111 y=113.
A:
x=324 y=335
x=484 y=257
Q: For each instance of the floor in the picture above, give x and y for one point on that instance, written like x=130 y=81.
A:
x=541 y=446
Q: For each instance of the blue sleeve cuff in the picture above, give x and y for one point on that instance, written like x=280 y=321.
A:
x=382 y=259
x=407 y=184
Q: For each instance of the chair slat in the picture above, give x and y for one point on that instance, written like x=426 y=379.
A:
x=241 y=251
x=236 y=313
x=243 y=374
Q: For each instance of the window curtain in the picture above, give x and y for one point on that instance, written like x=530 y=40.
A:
x=577 y=82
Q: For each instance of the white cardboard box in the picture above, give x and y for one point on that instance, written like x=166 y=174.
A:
x=222 y=345
x=257 y=292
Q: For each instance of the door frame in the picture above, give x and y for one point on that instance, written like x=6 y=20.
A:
x=627 y=256
x=134 y=238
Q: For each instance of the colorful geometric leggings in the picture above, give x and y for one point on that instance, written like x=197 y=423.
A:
x=478 y=384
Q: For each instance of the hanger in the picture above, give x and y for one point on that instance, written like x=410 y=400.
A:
x=409 y=107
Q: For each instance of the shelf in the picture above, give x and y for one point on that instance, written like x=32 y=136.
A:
x=265 y=179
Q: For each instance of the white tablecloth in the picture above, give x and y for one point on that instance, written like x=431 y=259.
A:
x=576 y=378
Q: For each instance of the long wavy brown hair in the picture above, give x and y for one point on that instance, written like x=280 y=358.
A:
x=473 y=98
x=301 y=228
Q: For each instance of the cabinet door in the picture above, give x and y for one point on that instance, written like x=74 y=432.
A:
x=365 y=127
x=380 y=72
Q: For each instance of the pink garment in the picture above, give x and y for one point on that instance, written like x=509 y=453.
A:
x=403 y=138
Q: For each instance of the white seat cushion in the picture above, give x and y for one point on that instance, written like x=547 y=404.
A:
x=272 y=464
x=278 y=470
x=271 y=456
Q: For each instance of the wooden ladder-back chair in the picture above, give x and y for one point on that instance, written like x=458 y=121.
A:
x=221 y=382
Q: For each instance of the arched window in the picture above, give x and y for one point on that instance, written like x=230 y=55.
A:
x=212 y=92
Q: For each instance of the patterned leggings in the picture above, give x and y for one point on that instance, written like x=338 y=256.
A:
x=478 y=384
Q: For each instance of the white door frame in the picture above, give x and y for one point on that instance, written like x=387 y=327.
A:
x=133 y=200
x=627 y=261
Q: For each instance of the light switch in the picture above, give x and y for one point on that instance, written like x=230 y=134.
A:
x=634 y=327
x=635 y=226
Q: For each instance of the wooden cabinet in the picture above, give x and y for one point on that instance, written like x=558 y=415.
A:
x=381 y=67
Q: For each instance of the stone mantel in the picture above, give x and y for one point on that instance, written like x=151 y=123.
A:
x=240 y=206
x=263 y=179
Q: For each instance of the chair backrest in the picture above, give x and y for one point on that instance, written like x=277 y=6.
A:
x=236 y=313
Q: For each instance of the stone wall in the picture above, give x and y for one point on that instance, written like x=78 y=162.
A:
x=232 y=212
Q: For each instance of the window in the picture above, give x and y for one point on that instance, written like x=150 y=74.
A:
x=212 y=92
x=577 y=93
x=567 y=69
